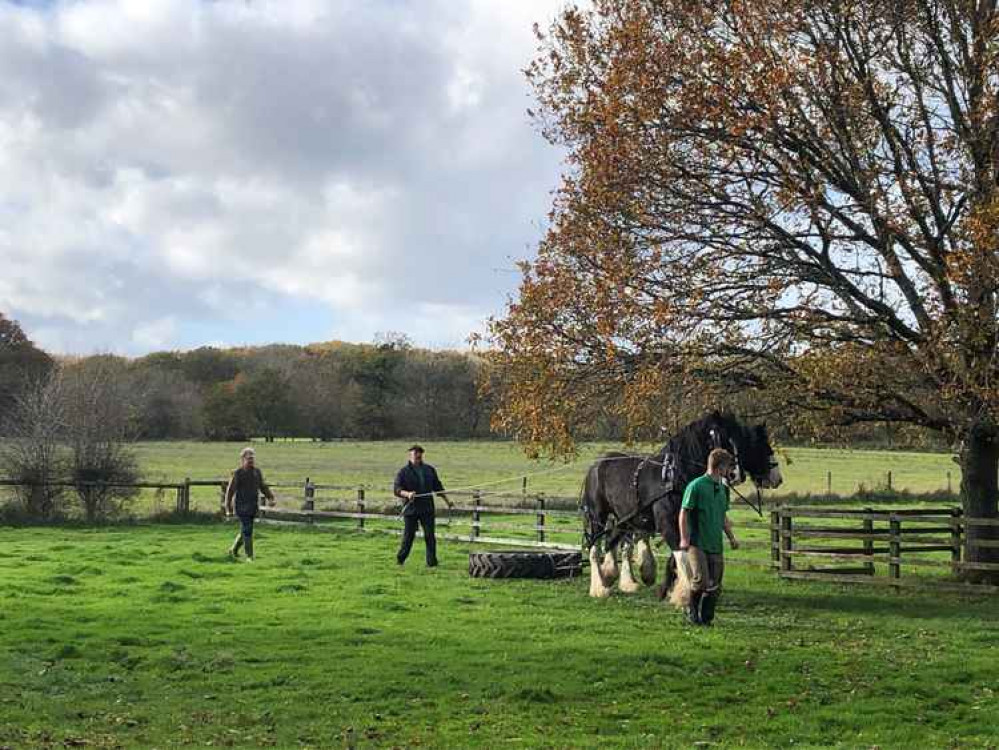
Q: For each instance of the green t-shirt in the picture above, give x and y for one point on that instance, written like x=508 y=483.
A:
x=708 y=502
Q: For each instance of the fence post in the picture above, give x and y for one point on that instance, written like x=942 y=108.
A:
x=955 y=539
x=828 y=484
x=895 y=548
x=889 y=481
x=360 y=508
x=523 y=488
x=541 y=517
x=949 y=490
x=869 y=541
x=775 y=538
x=180 y=498
x=476 y=514
x=786 y=540
x=222 y=488
x=310 y=495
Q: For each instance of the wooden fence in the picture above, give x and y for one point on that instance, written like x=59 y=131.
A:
x=875 y=546
x=474 y=517
x=182 y=489
x=481 y=514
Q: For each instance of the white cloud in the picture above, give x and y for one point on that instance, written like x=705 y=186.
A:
x=164 y=163
x=156 y=334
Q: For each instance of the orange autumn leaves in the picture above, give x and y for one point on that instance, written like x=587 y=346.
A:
x=790 y=205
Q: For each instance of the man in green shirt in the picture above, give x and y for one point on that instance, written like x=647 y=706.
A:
x=703 y=519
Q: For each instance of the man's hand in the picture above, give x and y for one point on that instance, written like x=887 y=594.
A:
x=684 y=545
x=228 y=511
x=734 y=542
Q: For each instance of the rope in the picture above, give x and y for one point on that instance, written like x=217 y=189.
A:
x=521 y=477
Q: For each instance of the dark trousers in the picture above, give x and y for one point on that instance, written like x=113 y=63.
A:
x=426 y=520
x=245 y=538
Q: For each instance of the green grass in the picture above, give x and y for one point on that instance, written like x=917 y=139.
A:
x=500 y=467
x=148 y=636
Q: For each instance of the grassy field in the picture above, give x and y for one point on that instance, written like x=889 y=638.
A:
x=148 y=636
x=499 y=467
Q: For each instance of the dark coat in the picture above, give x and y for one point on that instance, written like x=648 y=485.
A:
x=247 y=486
x=409 y=481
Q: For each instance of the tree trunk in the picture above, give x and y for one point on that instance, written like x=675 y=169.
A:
x=979 y=494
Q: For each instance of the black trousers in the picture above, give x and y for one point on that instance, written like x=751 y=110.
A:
x=426 y=520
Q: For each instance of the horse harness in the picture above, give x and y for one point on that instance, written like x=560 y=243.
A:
x=670 y=472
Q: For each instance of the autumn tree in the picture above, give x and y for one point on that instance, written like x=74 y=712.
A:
x=21 y=363
x=795 y=199
x=226 y=415
x=267 y=396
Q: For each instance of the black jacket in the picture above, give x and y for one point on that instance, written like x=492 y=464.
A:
x=247 y=487
x=408 y=480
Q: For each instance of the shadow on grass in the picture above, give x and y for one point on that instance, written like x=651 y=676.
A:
x=929 y=605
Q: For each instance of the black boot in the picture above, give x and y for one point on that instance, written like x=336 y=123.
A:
x=708 y=604
x=694 y=610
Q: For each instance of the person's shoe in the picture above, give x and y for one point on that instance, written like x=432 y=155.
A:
x=708 y=604
x=233 y=554
x=249 y=559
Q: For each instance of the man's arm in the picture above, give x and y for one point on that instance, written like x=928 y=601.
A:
x=397 y=487
x=439 y=488
x=688 y=504
x=730 y=534
x=684 y=530
x=266 y=490
x=229 y=492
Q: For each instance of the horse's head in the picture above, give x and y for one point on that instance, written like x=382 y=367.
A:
x=754 y=456
x=757 y=457
x=723 y=431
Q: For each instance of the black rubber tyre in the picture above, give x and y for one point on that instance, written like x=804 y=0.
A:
x=520 y=564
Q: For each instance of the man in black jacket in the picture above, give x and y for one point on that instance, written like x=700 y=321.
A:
x=245 y=487
x=416 y=484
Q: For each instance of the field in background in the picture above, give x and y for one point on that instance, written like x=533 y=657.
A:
x=149 y=637
x=499 y=466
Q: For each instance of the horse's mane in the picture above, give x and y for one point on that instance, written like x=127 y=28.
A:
x=688 y=444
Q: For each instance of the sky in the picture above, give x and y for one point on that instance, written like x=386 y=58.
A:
x=180 y=173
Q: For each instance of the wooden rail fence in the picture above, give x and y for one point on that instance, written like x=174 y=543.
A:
x=540 y=521
x=853 y=546
x=301 y=503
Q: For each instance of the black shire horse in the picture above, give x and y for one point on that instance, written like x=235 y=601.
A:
x=630 y=497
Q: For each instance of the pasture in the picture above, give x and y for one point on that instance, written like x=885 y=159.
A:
x=148 y=636
x=499 y=467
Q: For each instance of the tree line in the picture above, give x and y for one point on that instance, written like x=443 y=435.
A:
x=387 y=389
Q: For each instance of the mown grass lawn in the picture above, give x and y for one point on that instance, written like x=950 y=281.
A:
x=147 y=636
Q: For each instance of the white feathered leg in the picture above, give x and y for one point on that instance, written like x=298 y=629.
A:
x=627 y=584
x=608 y=568
x=646 y=562
x=597 y=588
x=679 y=596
